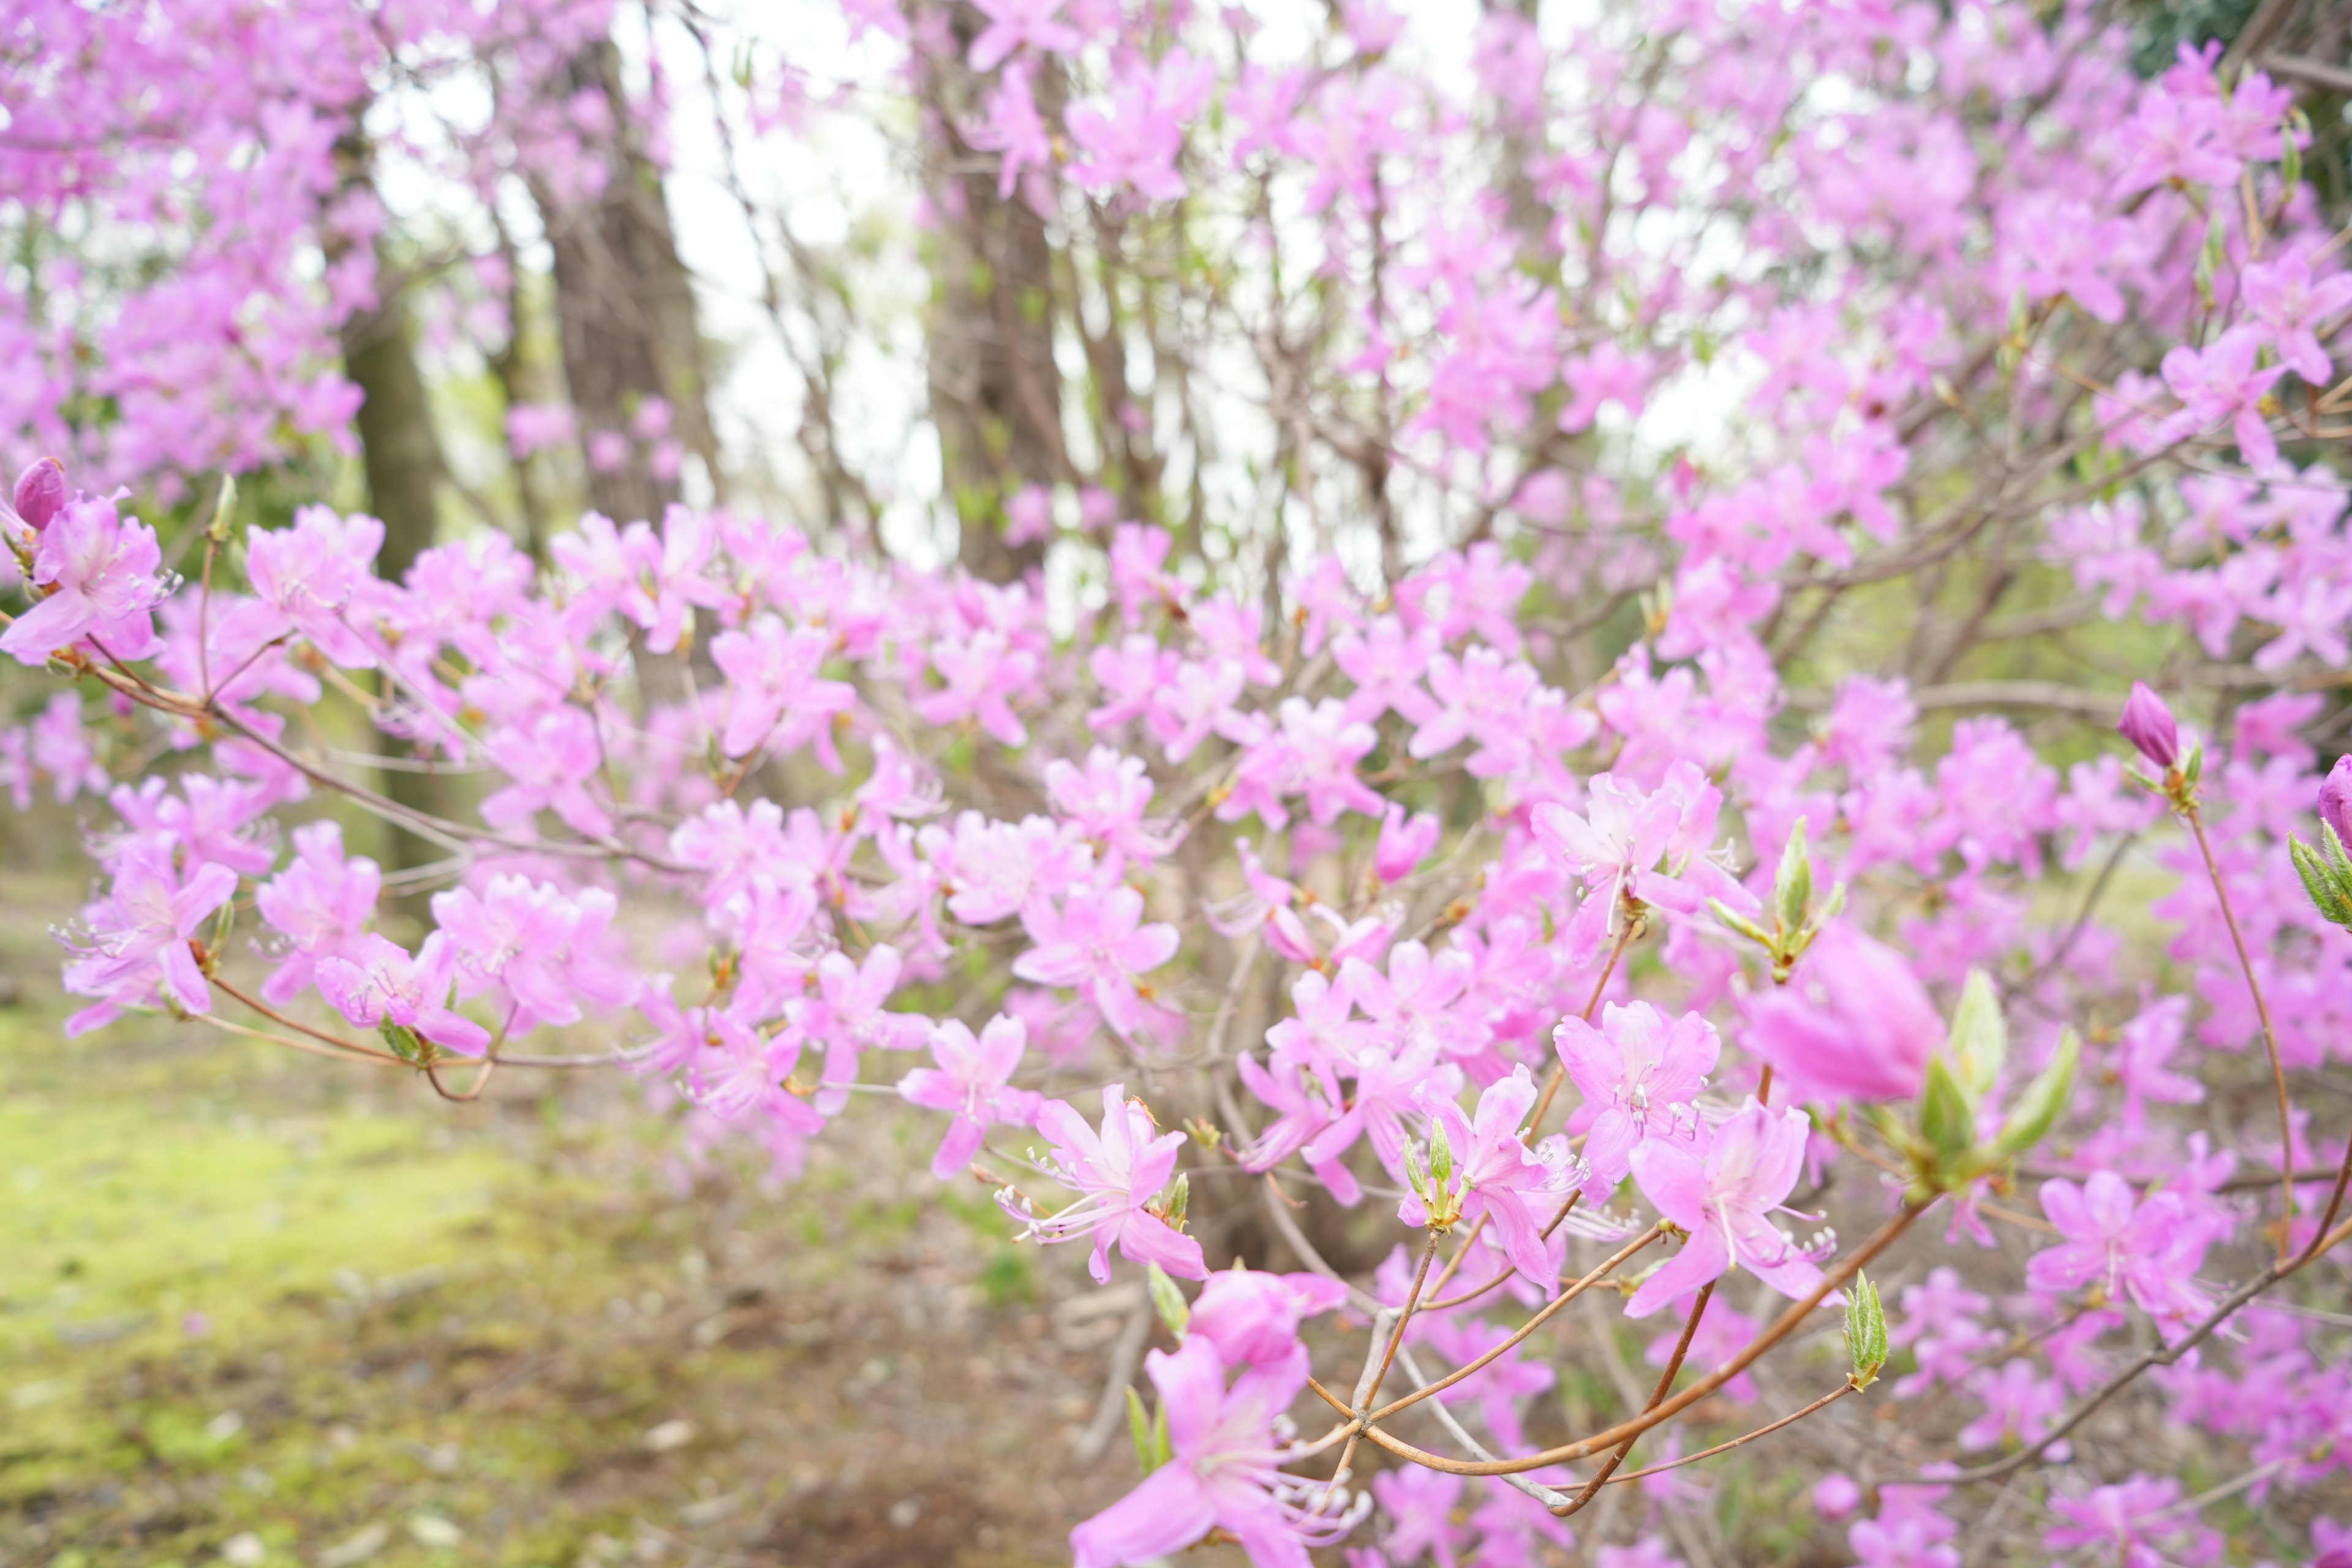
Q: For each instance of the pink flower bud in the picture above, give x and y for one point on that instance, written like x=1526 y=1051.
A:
x=2148 y=724
x=1404 y=843
x=1834 y=1495
x=2336 y=800
x=40 y=493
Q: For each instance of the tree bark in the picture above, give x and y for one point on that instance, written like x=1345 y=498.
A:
x=626 y=306
x=995 y=395
x=402 y=457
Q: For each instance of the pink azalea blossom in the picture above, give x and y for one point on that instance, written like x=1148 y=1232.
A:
x=544 y=952
x=550 y=764
x=101 y=573
x=320 y=903
x=779 y=701
x=1855 y=1024
x=1119 y=1174
x=1725 y=1198
x=1252 y=1316
x=2144 y=1247
x=848 y=1014
x=1225 y=1472
x=2138 y=1524
x=1097 y=943
x=1638 y=1076
x=2292 y=308
x=2221 y=382
x=384 y=984
x=1021 y=24
x=308 y=576
x=1496 y=1173
x=138 y=935
x=973 y=1082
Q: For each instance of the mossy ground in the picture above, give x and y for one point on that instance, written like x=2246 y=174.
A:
x=258 y=1307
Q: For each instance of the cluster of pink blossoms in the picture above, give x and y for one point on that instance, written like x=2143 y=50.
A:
x=1368 y=874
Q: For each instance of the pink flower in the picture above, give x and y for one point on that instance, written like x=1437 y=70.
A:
x=2282 y=297
x=2138 y=1524
x=101 y=573
x=1638 y=1076
x=306 y=575
x=1386 y=661
x=139 y=934
x=385 y=986
x=1252 y=1317
x=777 y=701
x=1106 y=801
x=1224 y=1471
x=1857 y=1026
x=848 y=1016
x=1119 y=1174
x=1404 y=843
x=2148 y=724
x=2149 y=1248
x=546 y=952
x=550 y=764
x=2220 y=382
x=1302 y=1112
x=1018 y=23
x=972 y=1080
x=1495 y=1172
x=321 y=904
x=979 y=676
x=1097 y=943
x=1133 y=138
x=1414 y=1001
x=1015 y=130
x=1724 y=1200
x=2020 y=1402
x=40 y=493
x=1388 y=1088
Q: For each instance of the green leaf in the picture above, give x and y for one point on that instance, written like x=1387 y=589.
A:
x=2333 y=851
x=1180 y=1199
x=2192 y=766
x=1980 y=1040
x=224 y=510
x=1141 y=1430
x=1441 y=1158
x=2209 y=256
x=2290 y=158
x=403 y=1041
x=1740 y=924
x=1946 y=1119
x=2330 y=890
x=1793 y=890
x=2045 y=1099
x=1168 y=1300
x=1865 y=1330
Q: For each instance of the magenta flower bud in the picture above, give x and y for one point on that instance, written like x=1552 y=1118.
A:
x=40 y=493
x=2336 y=800
x=2148 y=724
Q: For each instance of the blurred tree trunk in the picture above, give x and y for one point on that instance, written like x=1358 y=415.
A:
x=625 y=309
x=995 y=395
x=625 y=304
x=403 y=460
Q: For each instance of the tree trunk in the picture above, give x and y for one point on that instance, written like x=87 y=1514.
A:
x=403 y=460
x=995 y=395
x=626 y=307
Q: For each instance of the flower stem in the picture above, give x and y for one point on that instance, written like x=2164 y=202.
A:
x=2270 y=1034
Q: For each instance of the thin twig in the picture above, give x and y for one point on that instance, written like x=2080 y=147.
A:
x=2270 y=1034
